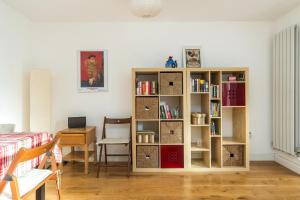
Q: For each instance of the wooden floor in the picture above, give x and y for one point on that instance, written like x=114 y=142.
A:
x=266 y=180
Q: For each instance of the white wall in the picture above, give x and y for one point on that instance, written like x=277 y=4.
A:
x=289 y=19
x=55 y=47
x=14 y=54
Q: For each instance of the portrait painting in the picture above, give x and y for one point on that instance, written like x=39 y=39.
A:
x=92 y=71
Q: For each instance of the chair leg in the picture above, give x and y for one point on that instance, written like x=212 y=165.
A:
x=58 y=188
x=105 y=153
x=99 y=161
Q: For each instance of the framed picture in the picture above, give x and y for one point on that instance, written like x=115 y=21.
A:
x=92 y=71
x=192 y=57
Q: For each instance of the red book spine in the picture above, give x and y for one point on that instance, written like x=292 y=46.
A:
x=168 y=112
x=143 y=88
x=149 y=87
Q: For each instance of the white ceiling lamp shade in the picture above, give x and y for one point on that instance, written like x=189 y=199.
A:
x=146 y=8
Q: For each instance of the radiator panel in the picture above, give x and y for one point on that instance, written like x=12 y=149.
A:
x=284 y=83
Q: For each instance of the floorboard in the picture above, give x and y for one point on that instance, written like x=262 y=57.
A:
x=266 y=180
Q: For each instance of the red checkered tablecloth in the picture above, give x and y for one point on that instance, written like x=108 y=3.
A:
x=11 y=143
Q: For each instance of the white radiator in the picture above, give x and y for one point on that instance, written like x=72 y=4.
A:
x=297 y=90
x=286 y=93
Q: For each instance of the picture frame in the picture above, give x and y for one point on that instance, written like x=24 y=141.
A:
x=192 y=56
x=92 y=70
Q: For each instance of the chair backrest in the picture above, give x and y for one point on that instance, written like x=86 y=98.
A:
x=116 y=121
x=7 y=128
x=25 y=154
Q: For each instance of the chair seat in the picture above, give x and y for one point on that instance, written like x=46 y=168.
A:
x=26 y=182
x=114 y=141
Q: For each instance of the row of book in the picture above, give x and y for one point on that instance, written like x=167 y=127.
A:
x=215 y=91
x=213 y=128
x=200 y=85
x=169 y=113
x=146 y=87
x=215 y=109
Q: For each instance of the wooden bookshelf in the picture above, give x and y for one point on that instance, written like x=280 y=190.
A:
x=199 y=149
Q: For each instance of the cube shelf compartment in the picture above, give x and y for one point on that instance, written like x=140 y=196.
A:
x=233 y=155
x=219 y=143
x=171 y=156
x=171 y=132
x=147 y=156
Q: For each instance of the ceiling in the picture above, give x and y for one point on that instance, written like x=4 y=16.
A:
x=173 y=10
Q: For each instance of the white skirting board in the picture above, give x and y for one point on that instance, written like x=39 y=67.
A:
x=262 y=157
x=288 y=161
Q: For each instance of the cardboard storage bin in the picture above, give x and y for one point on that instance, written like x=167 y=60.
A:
x=147 y=156
x=146 y=108
x=171 y=83
x=233 y=155
x=171 y=132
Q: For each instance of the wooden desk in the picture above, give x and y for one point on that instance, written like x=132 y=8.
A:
x=81 y=137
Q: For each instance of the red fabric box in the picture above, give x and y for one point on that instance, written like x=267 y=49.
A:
x=172 y=156
x=233 y=94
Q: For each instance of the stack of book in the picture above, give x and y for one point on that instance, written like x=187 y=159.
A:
x=146 y=88
x=169 y=113
x=200 y=85
x=215 y=91
x=214 y=109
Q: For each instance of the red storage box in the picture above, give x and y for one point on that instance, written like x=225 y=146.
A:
x=233 y=94
x=172 y=156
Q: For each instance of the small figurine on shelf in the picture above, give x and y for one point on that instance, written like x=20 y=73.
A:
x=241 y=77
x=175 y=64
x=171 y=63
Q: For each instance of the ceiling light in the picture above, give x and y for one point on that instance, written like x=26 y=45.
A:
x=146 y=8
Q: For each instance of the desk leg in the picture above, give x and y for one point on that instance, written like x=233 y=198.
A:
x=95 y=153
x=72 y=151
x=40 y=193
x=86 y=159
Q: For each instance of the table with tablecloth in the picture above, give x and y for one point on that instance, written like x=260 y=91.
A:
x=11 y=143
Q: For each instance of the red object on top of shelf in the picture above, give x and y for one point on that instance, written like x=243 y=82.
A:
x=172 y=156
x=233 y=94
x=232 y=78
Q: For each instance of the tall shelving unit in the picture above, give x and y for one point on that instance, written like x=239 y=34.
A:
x=173 y=98
x=227 y=149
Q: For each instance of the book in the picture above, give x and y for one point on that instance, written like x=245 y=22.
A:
x=166 y=112
x=213 y=128
x=153 y=88
x=214 y=91
x=200 y=85
x=146 y=88
x=215 y=109
x=162 y=112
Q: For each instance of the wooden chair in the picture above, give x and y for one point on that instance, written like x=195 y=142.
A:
x=114 y=141
x=22 y=187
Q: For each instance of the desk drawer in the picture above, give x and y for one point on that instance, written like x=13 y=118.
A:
x=68 y=139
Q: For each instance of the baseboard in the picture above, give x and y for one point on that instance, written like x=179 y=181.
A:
x=288 y=161
x=262 y=157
